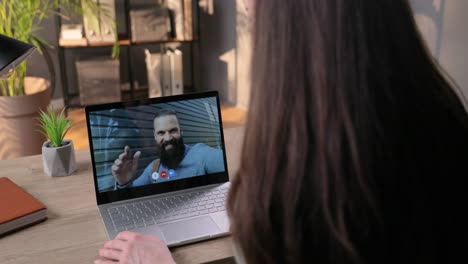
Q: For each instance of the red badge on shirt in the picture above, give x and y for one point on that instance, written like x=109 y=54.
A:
x=163 y=174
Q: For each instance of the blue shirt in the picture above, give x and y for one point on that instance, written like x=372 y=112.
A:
x=199 y=159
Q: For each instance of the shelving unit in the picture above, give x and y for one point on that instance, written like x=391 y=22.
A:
x=132 y=84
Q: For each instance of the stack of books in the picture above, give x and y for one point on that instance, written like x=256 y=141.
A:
x=72 y=35
x=18 y=208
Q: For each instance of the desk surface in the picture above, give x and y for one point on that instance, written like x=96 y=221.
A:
x=74 y=232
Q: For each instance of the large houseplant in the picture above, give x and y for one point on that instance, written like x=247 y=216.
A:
x=22 y=97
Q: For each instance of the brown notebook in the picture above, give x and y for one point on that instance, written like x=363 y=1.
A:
x=18 y=209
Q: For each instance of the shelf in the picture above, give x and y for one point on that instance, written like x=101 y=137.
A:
x=132 y=59
x=164 y=41
x=83 y=43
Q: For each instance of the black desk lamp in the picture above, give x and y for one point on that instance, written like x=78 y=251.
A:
x=12 y=53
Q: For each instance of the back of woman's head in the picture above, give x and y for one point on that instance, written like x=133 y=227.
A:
x=349 y=125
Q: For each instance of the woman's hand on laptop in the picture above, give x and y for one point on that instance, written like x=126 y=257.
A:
x=125 y=166
x=134 y=248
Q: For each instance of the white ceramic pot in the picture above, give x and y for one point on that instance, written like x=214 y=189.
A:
x=59 y=161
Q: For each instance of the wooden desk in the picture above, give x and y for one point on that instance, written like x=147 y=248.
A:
x=74 y=232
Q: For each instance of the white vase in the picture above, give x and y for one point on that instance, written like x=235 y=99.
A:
x=59 y=161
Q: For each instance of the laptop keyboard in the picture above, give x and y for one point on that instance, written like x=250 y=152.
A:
x=161 y=210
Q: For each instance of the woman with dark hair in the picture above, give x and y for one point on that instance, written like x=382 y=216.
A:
x=357 y=140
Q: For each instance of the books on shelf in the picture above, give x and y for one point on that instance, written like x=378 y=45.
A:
x=165 y=73
x=18 y=208
x=91 y=24
x=71 y=31
x=177 y=8
x=72 y=35
x=188 y=20
x=82 y=42
x=153 y=69
x=106 y=19
x=177 y=77
x=98 y=28
x=183 y=18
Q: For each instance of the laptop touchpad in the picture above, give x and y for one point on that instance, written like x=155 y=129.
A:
x=189 y=229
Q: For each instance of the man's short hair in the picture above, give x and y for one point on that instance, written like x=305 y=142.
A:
x=165 y=112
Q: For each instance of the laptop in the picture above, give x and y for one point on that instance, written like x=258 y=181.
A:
x=159 y=166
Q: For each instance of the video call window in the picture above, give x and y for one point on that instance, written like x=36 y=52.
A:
x=113 y=129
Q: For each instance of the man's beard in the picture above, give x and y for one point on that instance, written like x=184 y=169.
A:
x=172 y=157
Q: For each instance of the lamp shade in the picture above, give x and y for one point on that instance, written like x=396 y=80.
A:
x=12 y=53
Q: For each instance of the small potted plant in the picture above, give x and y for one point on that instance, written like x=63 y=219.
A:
x=58 y=154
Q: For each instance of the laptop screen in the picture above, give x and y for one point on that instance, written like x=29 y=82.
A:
x=157 y=145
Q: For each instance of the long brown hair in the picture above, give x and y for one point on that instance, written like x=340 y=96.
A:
x=342 y=94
